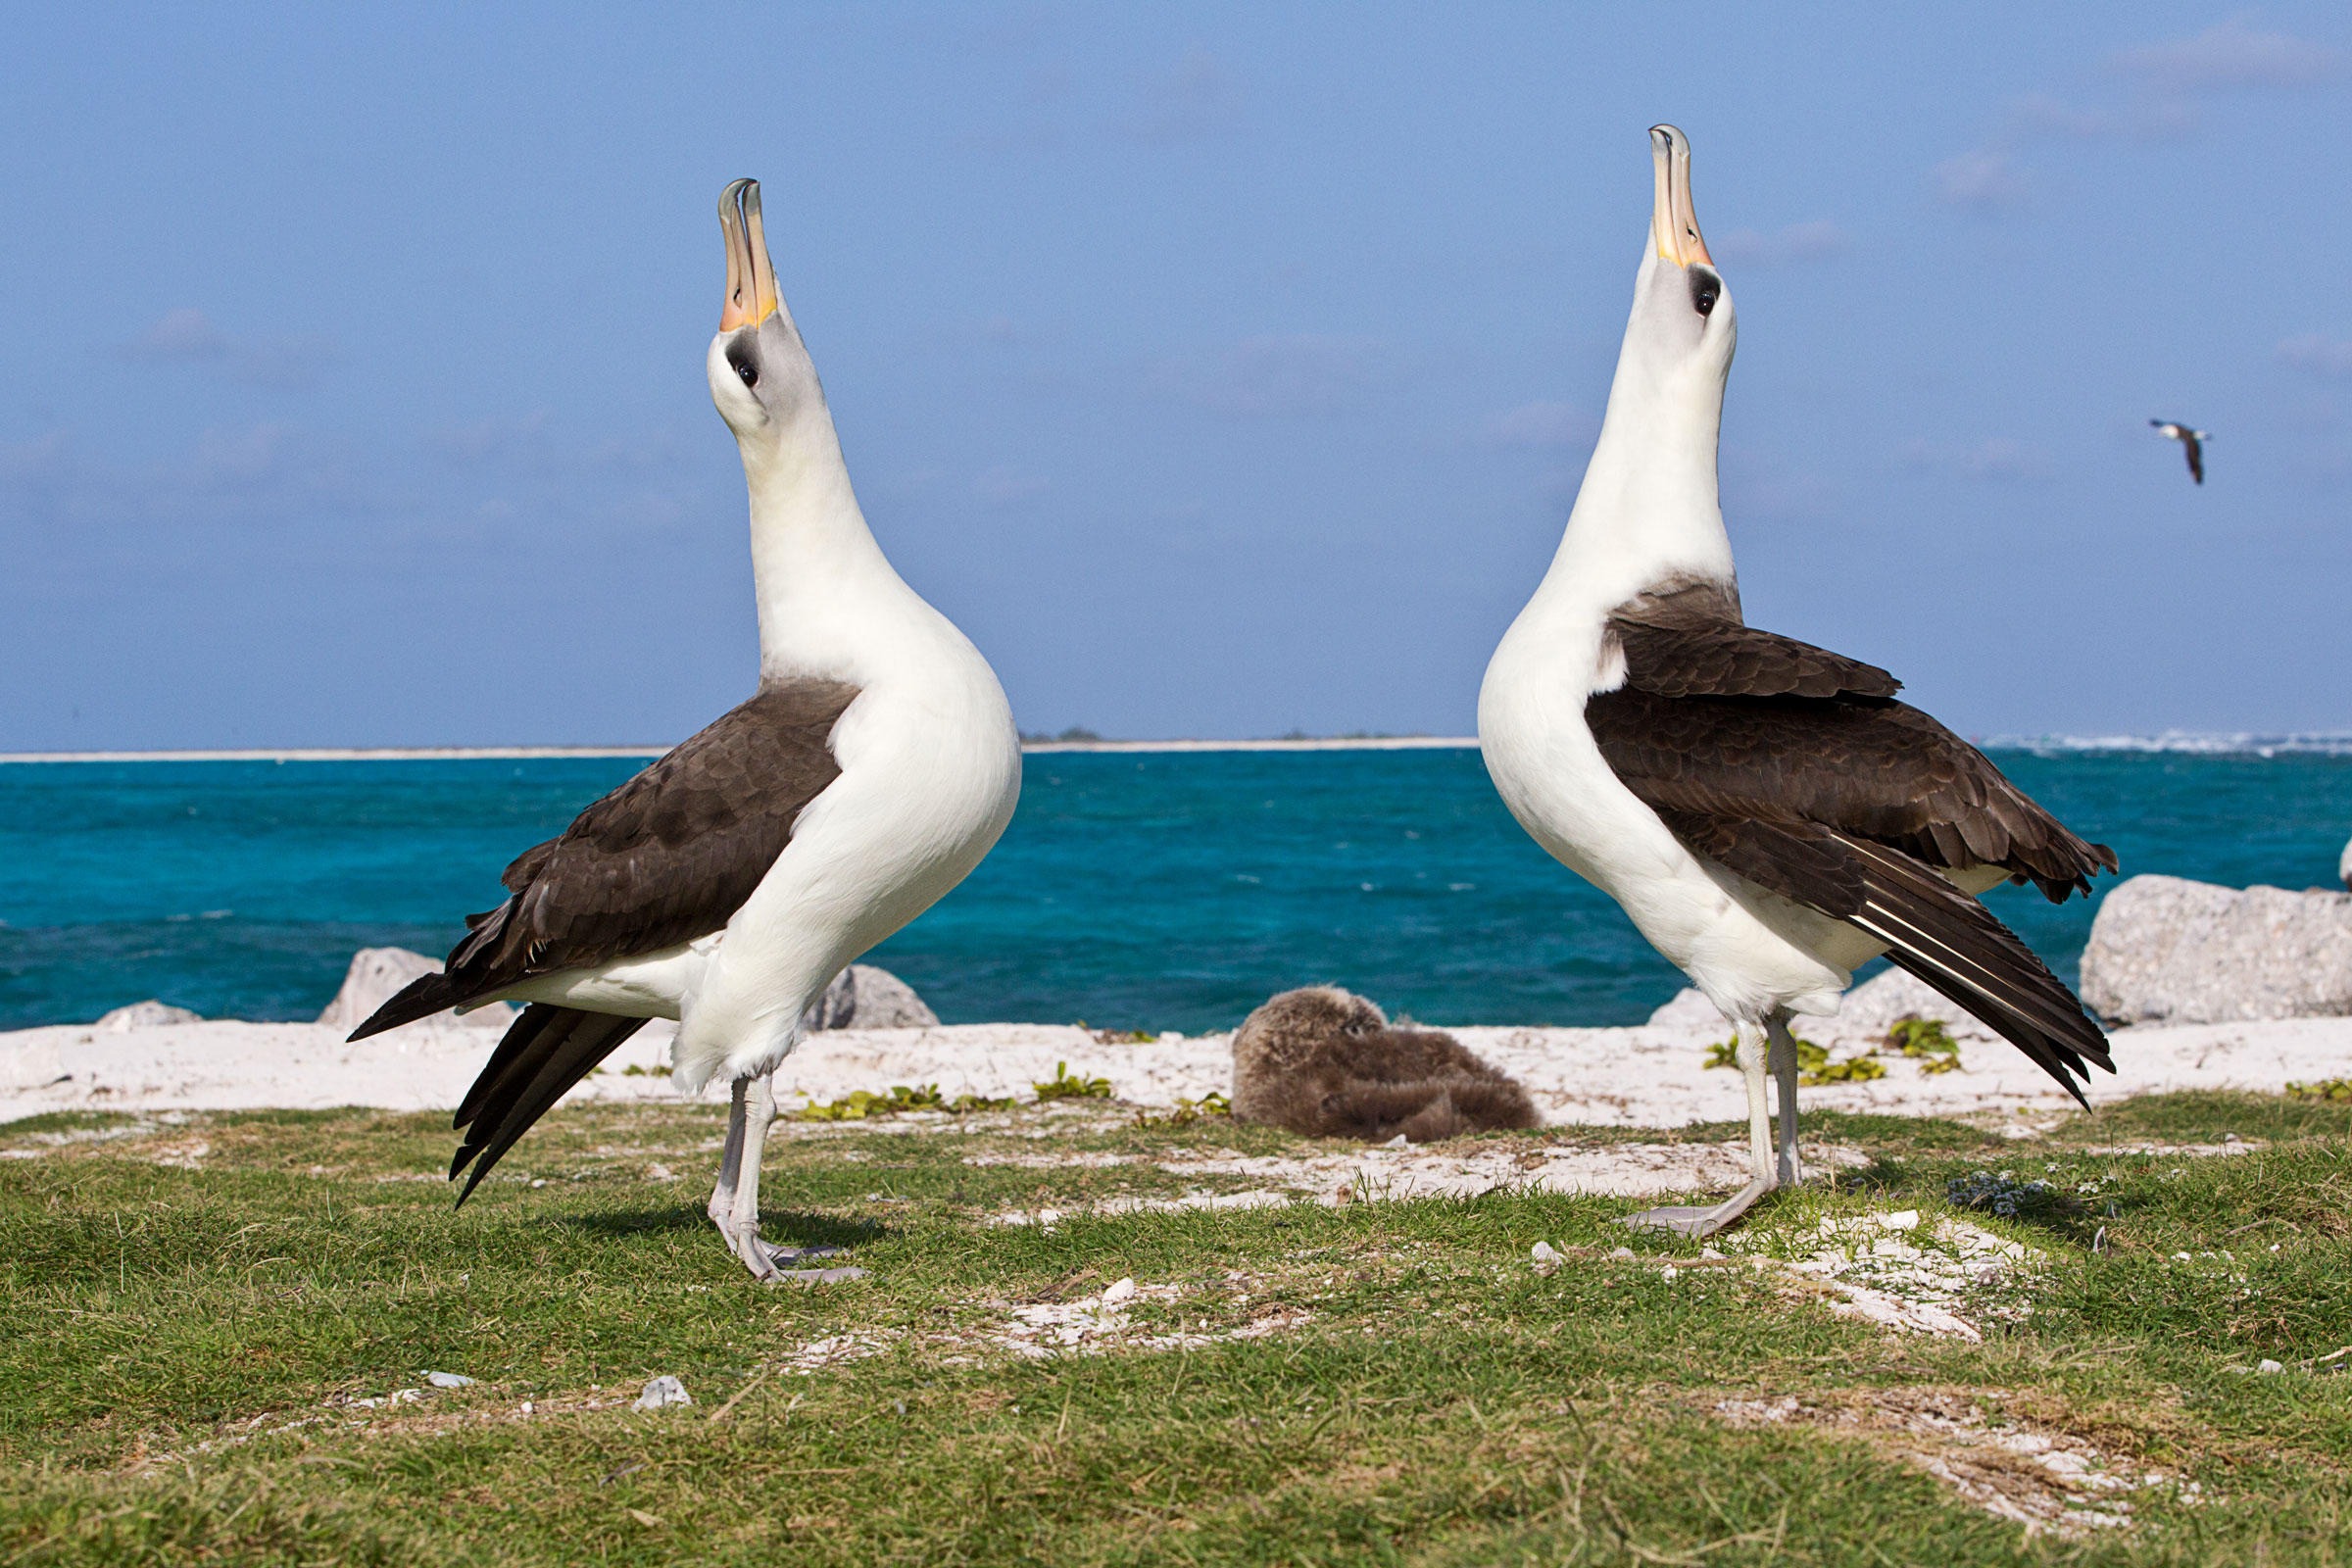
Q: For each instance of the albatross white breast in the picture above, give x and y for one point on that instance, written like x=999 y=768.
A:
x=728 y=884
x=1765 y=810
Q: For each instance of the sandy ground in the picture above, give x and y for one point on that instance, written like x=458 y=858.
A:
x=1647 y=1076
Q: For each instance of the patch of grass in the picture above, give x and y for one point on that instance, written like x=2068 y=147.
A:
x=182 y=1347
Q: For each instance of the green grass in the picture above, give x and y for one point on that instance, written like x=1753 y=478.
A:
x=179 y=1350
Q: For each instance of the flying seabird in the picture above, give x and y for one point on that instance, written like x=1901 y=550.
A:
x=1765 y=810
x=2191 y=444
x=728 y=883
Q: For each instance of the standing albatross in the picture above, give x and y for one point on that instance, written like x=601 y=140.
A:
x=1765 y=810
x=728 y=884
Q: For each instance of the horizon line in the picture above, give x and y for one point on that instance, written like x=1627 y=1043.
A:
x=2208 y=741
x=432 y=754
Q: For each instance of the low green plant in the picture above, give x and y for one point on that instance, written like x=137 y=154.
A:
x=1188 y=1111
x=863 y=1104
x=1927 y=1041
x=1125 y=1037
x=2325 y=1089
x=1063 y=1085
x=1813 y=1065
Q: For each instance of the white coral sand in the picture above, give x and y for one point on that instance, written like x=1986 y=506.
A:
x=1649 y=1076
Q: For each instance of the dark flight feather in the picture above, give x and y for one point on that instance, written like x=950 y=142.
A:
x=544 y=1053
x=1848 y=801
x=666 y=857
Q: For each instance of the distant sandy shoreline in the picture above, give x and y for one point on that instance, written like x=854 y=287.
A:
x=444 y=754
x=2234 y=744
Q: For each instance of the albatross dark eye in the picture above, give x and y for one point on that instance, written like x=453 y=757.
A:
x=1705 y=289
x=745 y=366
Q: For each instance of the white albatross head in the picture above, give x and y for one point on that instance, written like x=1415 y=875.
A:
x=1683 y=330
x=762 y=378
x=1649 y=509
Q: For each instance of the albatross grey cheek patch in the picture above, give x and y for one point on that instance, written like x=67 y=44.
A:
x=745 y=365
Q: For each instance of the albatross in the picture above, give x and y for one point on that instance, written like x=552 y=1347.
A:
x=2192 y=444
x=1766 y=812
x=728 y=883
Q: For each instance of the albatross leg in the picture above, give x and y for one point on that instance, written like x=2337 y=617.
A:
x=730 y=1163
x=1784 y=1075
x=747 y=1144
x=1705 y=1219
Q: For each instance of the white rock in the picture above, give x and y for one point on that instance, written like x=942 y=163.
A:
x=2267 y=1366
x=2165 y=949
x=1871 y=1008
x=148 y=1014
x=661 y=1392
x=376 y=973
x=863 y=997
x=449 y=1380
x=1545 y=1257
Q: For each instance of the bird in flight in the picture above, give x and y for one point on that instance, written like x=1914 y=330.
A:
x=2190 y=444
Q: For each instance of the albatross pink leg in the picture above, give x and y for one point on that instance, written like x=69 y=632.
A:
x=757 y=1100
x=1784 y=1073
x=730 y=1163
x=1706 y=1219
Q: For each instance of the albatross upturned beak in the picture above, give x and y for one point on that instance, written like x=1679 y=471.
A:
x=1673 y=222
x=751 y=296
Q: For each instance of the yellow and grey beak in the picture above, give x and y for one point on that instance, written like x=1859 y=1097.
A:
x=751 y=277
x=1673 y=223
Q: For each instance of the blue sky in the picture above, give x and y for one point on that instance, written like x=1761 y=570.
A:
x=1222 y=370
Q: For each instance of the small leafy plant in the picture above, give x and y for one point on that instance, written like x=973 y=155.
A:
x=1927 y=1041
x=1188 y=1111
x=1063 y=1085
x=2327 y=1089
x=863 y=1104
x=1813 y=1065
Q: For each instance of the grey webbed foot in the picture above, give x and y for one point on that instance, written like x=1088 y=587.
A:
x=1700 y=1220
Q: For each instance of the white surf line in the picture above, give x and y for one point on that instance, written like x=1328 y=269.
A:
x=461 y=754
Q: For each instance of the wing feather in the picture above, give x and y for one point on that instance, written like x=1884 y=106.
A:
x=666 y=857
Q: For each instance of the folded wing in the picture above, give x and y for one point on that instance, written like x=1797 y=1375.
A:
x=1796 y=769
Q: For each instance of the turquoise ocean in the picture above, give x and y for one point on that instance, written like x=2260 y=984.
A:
x=1132 y=890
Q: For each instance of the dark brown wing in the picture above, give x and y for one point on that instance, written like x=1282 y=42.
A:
x=1870 y=769
x=1724 y=658
x=1850 y=804
x=2197 y=457
x=1931 y=928
x=668 y=857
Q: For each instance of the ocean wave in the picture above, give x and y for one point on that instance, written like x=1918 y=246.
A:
x=2193 y=743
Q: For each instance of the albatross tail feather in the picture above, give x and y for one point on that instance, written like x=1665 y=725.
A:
x=1940 y=934
x=421 y=997
x=1932 y=929
x=543 y=1054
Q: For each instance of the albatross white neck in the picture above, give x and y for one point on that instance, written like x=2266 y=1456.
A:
x=1648 y=509
x=814 y=561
